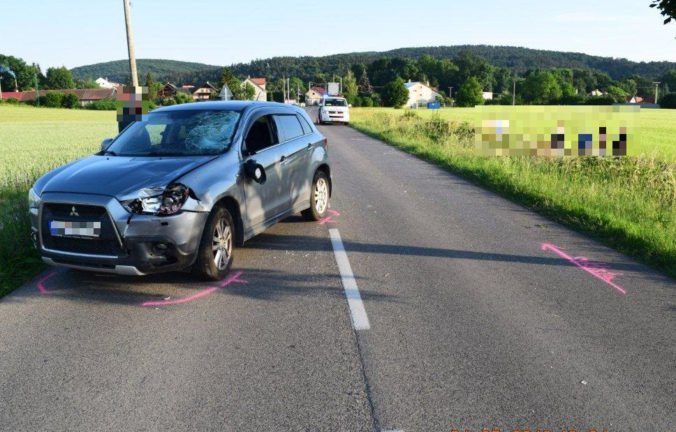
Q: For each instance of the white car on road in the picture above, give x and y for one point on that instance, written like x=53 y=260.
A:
x=333 y=109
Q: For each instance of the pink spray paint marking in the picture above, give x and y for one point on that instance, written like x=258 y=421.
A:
x=328 y=219
x=230 y=280
x=41 y=283
x=595 y=269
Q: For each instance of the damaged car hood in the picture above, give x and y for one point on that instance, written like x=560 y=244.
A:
x=119 y=176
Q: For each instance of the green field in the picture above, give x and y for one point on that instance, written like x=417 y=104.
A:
x=653 y=131
x=33 y=141
x=628 y=203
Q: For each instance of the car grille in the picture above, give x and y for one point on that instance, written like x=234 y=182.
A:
x=106 y=244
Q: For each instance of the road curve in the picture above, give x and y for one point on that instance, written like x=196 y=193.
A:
x=479 y=314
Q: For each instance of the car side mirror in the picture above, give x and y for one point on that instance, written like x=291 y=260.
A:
x=105 y=143
x=349 y=105
x=255 y=171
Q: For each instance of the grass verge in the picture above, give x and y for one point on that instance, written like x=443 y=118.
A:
x=627 y=203
x=33 y=141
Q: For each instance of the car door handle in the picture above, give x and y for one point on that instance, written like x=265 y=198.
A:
x=283 y=159
x=309 y=147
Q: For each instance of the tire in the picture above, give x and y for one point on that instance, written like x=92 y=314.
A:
x=319 y=197
x=214 y=257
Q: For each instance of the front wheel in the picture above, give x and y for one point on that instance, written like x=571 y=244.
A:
x=214 y=257
x=319 y=197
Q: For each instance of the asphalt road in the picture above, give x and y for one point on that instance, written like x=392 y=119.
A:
x=479 y=313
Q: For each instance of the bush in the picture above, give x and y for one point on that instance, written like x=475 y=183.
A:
x=52 y=100
x=12 y=101
x=182 y=98
x=71 y=101
x=668 y=100
x=357 y=102
x=572 y=100
x=367 y=102
x=600 y=100
x=103 y=105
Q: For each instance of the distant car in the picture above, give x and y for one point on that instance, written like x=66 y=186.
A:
x=333 y=109
x=180 y=188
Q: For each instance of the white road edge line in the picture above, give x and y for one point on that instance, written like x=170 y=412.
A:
x=360 y=320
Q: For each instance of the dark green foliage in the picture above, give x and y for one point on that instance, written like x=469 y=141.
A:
x=470 y=93
x=11 y=101
x=395 y=94
x=25 y=74
x=59 y=78
x=667 y=8
x=71 y=101
x=668 y=100
x=541 y=87
x=366 y=101
x=600 y=100
x=52 y=100
x=103 y=105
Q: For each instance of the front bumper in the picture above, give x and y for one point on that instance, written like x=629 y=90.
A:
x=134 y=244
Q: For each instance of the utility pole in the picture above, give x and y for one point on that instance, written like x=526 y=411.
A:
x=514 y=92
x=657 y=84
x=130 y=44
x=450 y=94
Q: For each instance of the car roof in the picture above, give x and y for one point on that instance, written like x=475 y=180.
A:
x=222 y=105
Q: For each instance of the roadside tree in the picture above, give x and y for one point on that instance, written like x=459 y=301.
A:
x=60 y=78
x=470 y=93
x=395 y=93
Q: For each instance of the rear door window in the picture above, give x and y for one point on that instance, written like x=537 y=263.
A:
x=307 y=129
x=288 y=127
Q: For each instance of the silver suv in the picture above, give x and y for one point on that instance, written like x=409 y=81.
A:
x=180 y=188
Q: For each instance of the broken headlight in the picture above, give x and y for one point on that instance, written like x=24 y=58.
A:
x=159 y=201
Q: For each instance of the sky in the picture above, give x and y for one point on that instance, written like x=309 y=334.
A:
x=80 y=32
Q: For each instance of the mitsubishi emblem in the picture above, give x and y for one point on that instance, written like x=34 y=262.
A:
x=73 y=212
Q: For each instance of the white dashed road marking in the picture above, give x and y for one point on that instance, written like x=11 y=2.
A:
x=360 y=320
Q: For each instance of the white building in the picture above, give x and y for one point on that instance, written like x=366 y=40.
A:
x=420 y=94
x=314 y=95
x=260 y=93
x=104 y=83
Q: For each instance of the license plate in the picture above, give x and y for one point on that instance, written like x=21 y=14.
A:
x=74 y=229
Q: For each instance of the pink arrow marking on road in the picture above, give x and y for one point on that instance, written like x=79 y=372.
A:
x=41 y=283
x=329 y=219
x=595 y=269
x=230 y=280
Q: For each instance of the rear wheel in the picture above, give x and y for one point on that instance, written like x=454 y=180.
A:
x=319 y=197
x=214 y=257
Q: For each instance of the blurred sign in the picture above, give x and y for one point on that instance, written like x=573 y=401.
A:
x=334 y=88
x=434 y=105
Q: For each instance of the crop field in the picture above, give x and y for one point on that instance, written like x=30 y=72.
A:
x=628 y=203
x=33 y=141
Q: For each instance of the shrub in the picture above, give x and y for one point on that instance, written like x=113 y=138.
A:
x=103 y=105
x=182 y=98
x=71 y=101
x=52 y=100
x=600 y=100
x=437 y=129
x=12 y=101
x=366 y=101
x=357 y=102
x=668 y=100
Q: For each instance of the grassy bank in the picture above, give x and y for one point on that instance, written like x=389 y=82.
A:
x=33 y=141
x=628 y=203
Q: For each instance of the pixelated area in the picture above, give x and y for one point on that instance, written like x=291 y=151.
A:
x=134 y=108
x=535 y=131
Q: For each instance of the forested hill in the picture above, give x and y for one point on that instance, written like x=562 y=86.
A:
x=162 y=70
x=309 y=68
